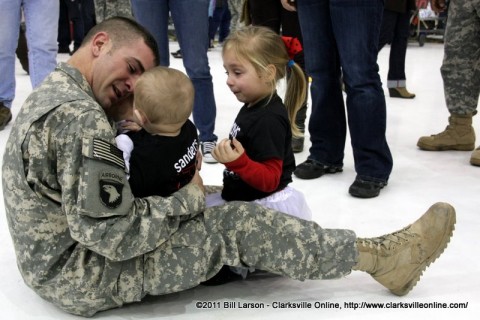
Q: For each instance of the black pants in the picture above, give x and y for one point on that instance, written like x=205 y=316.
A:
x=395 y=31
x=271 y=14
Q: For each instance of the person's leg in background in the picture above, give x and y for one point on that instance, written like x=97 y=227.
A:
x=215 y=20
x=190 y=18
x=76 y=18
x=154 y=15
x=88 y=14
x=271 y=14
x=461 y=80
x=10 y=25
x=327 y=124
x=64 y=36
x=224 y=28
x=291 y=28
x=41 y=18
x=356 y=26
x=22 y=48
x=235 y=7
x=395 y=31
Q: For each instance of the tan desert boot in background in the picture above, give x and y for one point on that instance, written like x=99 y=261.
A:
x=458 y=135
x=475 y=158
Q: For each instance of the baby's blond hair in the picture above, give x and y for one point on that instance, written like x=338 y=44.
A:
x=165 y=96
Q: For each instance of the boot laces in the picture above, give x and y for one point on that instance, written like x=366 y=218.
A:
x=388 y=241
x=446 y=132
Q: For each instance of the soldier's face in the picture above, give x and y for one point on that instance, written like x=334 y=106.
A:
x=116 y=72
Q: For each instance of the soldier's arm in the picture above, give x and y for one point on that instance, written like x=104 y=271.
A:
x=101 y=211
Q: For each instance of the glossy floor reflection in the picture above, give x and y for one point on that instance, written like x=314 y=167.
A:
x=419 y=179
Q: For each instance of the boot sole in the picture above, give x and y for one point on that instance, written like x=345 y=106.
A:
x=317 y=174
x=475 y=163
x=417 y=273
x=458 y=147
x=401 y=97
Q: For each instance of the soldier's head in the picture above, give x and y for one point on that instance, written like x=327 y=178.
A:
x=112 y=56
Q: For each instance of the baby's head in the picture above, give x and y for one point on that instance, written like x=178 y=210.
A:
x=163 y=100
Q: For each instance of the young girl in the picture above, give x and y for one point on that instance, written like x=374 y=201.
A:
x=258 y=155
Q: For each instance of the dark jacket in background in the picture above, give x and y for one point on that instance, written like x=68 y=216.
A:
x=401 y=6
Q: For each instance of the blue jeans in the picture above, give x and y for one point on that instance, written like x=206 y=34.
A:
x=41 y=19
x=219 y=21
x=190 y=18
x=341 y=37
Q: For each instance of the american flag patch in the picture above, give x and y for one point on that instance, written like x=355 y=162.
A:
x=103 y=150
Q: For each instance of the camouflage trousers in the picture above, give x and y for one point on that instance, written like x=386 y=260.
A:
x=235 y=234
x=105 y=9
x=461 y=62
x=236 y=8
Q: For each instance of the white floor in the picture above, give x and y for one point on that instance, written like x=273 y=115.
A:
x=419 y=179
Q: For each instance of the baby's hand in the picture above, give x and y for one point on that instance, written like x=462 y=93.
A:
x=228 y=150
x=128 y=125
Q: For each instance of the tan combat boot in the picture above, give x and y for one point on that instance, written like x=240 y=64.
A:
x=475 y=158
x=458 y=135
x=397 y=260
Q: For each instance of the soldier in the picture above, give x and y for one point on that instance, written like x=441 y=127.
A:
x=86 y=244
x=461 y=78
x=105 y=9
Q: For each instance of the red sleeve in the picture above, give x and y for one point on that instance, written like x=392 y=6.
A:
x=264 y=176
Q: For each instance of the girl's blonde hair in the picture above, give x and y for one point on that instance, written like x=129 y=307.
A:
x=262 y=47
x=165 y=95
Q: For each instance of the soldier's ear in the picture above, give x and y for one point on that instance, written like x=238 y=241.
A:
x=100 y=41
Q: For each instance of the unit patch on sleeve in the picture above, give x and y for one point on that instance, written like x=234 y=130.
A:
x=111 y=187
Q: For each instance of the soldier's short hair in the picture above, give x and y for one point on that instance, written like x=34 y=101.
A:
x=123 y=30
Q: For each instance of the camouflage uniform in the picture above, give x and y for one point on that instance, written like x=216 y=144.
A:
x=461 y=61
x=105 y=9
x=236 y=8
x=86 y=244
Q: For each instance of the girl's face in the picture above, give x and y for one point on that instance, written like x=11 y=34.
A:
x=244 y=81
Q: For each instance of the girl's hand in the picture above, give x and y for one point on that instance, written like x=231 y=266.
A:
x=228 y=150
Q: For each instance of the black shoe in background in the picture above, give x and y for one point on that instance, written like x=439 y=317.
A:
x=22 y=49
x=177 y=54
x=5 y=116
x=366 y=189
x=311 y=169
x=297 y=144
